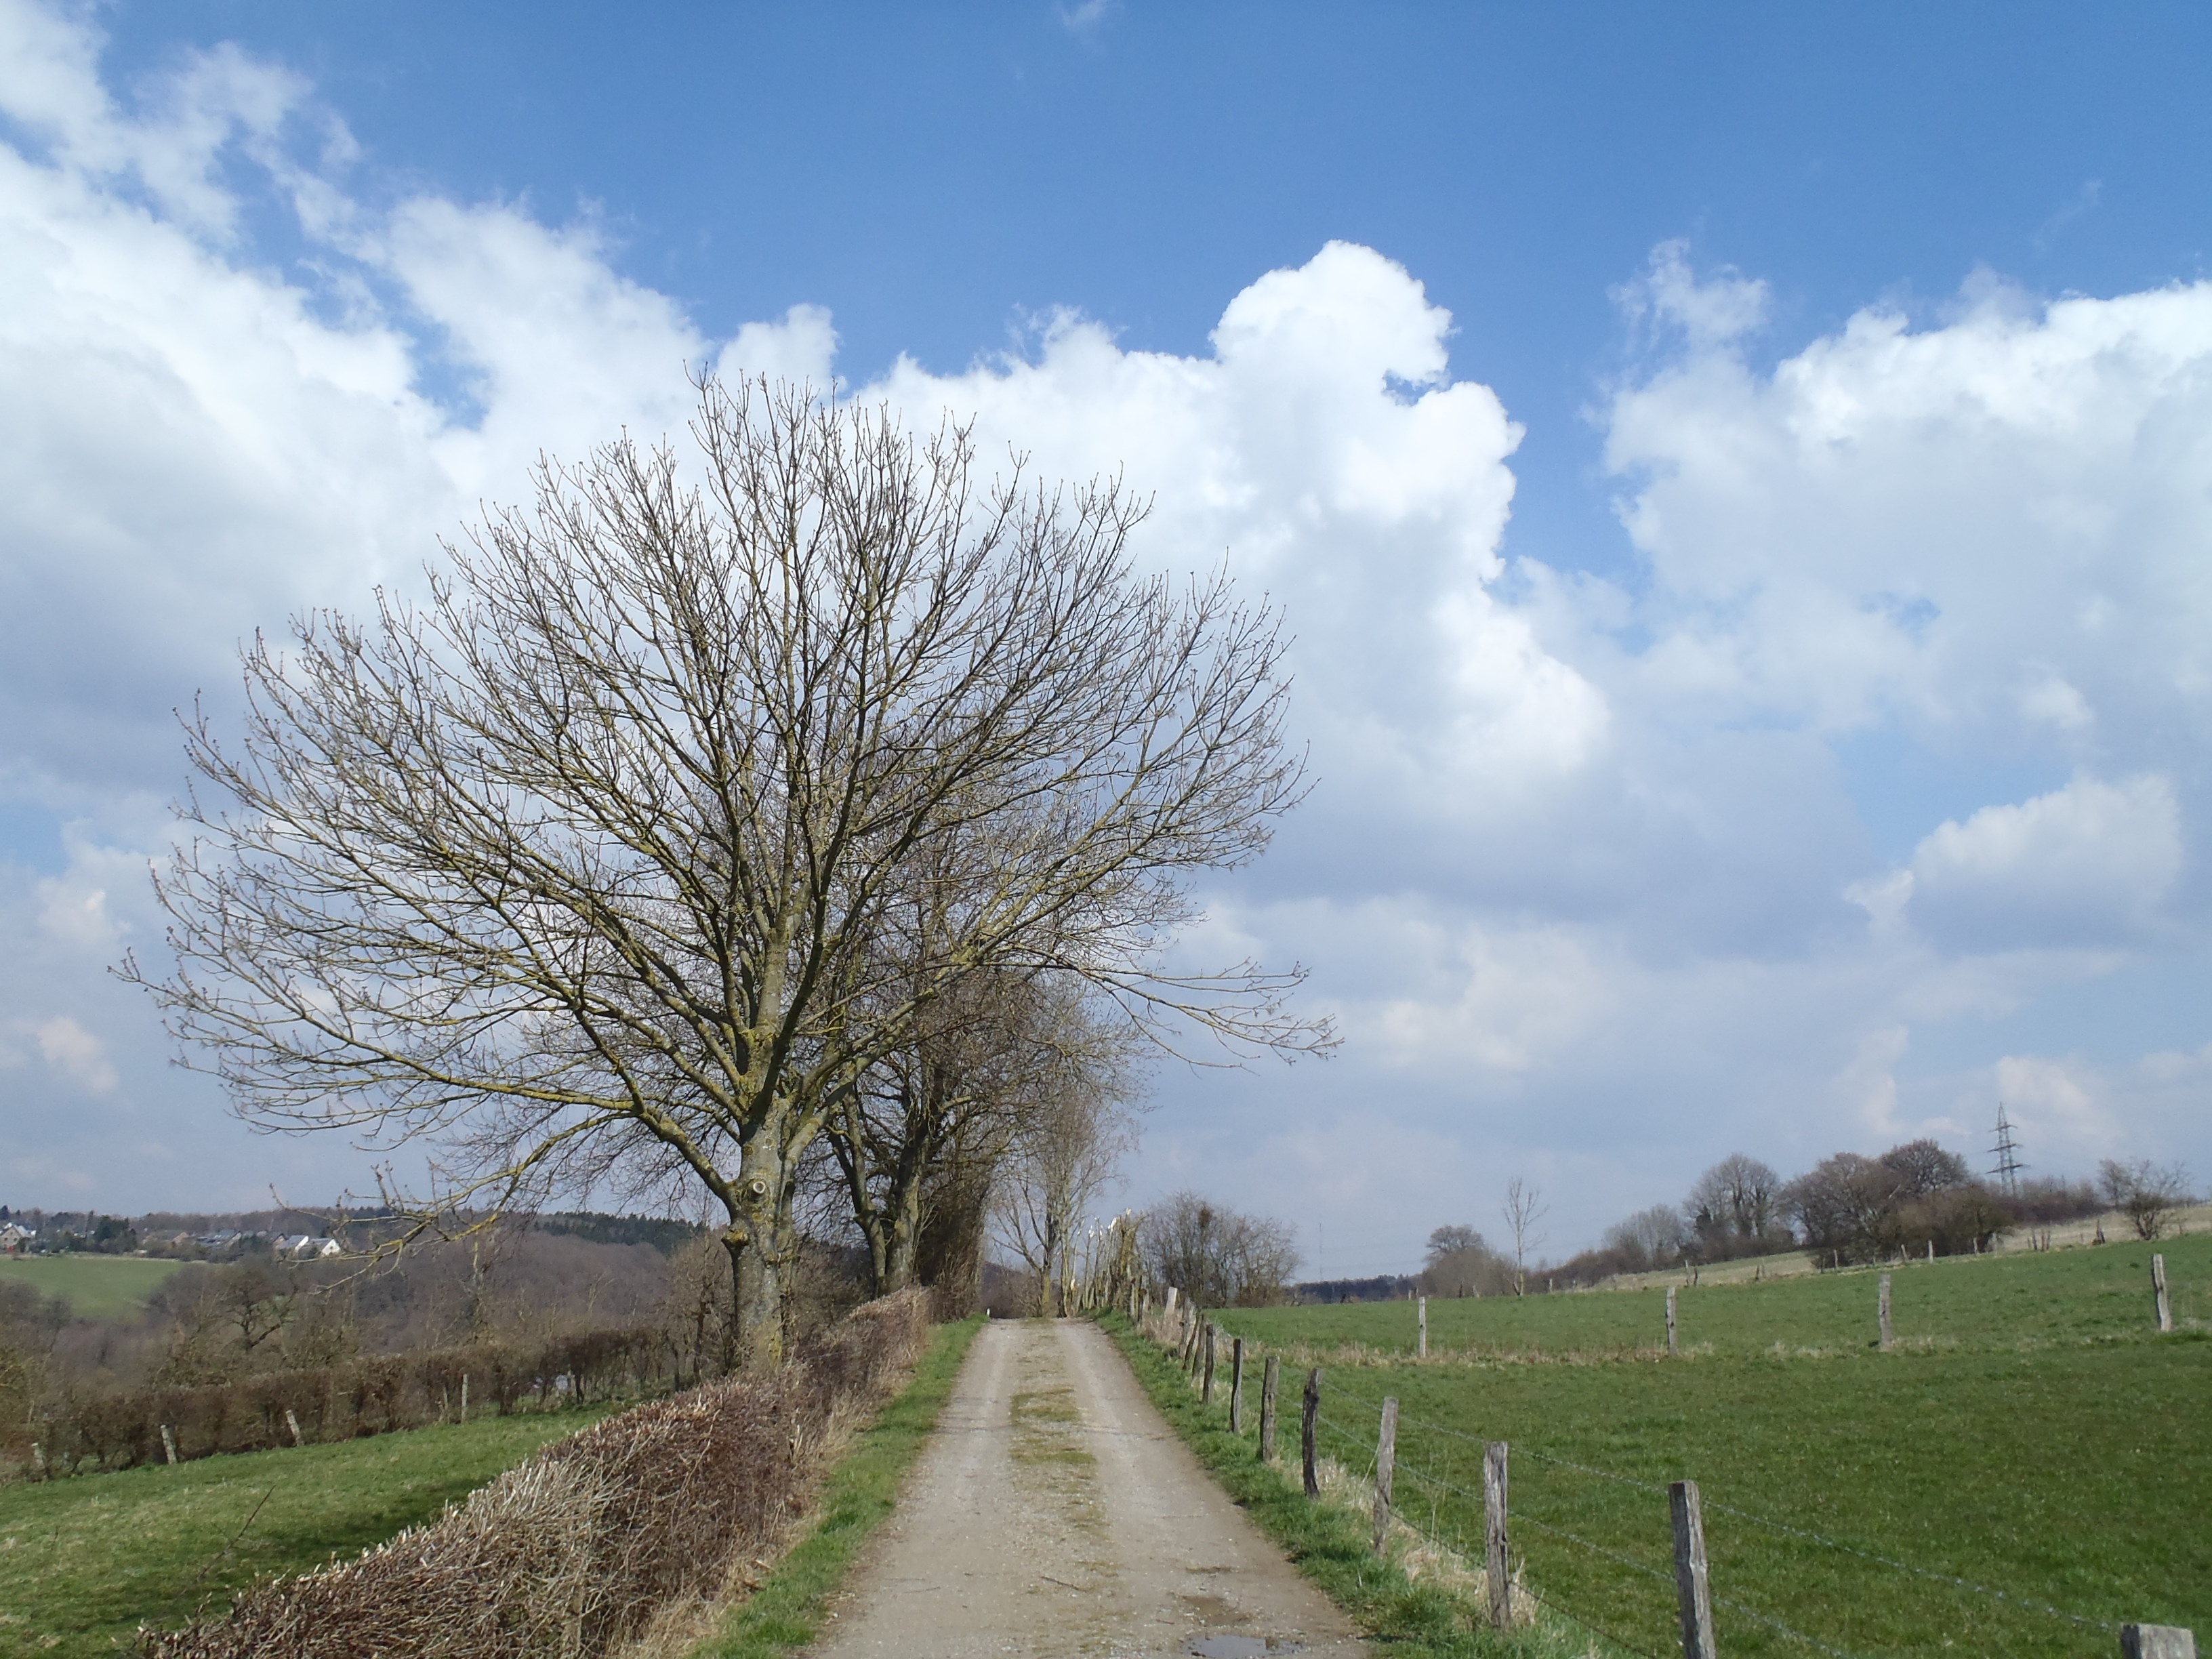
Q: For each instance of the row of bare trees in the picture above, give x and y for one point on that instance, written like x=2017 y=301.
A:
x=1850 y=1207
x=836 y=811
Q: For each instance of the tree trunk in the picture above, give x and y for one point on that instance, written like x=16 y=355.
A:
x=1049 y=1289
x=902 y=1236
x=763 y=1249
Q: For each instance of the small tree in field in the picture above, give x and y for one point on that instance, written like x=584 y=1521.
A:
x=599 y=866
x=1523 y=1209
x=2148 y=1193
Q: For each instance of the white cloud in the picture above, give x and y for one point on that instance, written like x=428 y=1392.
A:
x=1324 y=451
x=2088 y=864
x=49 y=81
x=75 y=1054
x=1716 y=311
x=2056 y=1108
x=1893 y=522
x=801 y=348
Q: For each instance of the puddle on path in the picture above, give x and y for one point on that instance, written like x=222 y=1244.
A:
x=1238 y=1647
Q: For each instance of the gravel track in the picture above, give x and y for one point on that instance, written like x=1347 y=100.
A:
x=1054 y=1512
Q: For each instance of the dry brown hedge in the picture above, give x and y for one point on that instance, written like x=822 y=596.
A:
x=574 y=1551
x=368 y=1396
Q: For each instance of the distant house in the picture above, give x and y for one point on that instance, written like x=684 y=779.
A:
x=305 y=1246
x=13 y=1238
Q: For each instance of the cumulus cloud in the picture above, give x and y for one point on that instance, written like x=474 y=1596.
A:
x=1982 y=531
x=2086 y=864
x=1589 y=873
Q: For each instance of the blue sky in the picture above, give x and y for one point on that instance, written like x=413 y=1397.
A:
x=1748 y=614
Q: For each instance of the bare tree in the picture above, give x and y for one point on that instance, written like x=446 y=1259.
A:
x=2149 y=1193
x=1216 y=1256
x=1524 y=1207
x=580 y=872
x=1923 y=1167
x=1444 y=1241
x=1458 y=1263
x=1650 y=1236
x=1064 y=1149
x=1736 y=1199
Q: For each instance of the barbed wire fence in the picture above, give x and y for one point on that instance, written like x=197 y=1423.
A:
x=1612 y=1599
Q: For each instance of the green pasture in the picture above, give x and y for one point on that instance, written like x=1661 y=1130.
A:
x=2061 y=1295
x=2030 y=1434
x=95 y=1286
x=84 y=1561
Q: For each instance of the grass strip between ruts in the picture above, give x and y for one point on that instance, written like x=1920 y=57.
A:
x=784 y=1612
x=1327 y=1543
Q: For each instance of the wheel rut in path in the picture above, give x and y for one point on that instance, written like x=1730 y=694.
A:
x=1053 y=1512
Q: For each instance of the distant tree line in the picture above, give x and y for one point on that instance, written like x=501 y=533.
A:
x=1847 y=1209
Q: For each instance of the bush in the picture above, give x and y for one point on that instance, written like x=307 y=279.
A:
x=114 y=1430
x=574 y=1551
x=2146 y=1193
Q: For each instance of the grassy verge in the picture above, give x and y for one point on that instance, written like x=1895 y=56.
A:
x=1329 y=1544
x=782 y=1615
x=83 y=1562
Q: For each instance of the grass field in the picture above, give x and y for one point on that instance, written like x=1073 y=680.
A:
x=96 y=1286
x=84 y=1561
x=2030 y=1433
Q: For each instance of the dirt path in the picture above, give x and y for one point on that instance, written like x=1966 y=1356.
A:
x=1053 y=1512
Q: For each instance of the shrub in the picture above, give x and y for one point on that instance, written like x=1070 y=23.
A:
x=367 y=1396
x=574 y=1551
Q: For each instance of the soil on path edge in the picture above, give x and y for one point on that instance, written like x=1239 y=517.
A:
x=1053 y=1512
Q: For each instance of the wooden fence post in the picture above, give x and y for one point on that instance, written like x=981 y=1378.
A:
x=1306 y=1431
x=1670 y=1320
x=2165 y=1308
x=292 y=1422
x=1693 y=1584
x=1386 y=1458
x=39 y=1460
x=1270 y=1380
x=168 y=1442
x=1496 y=1567
x=2157 y=1642
x=464 y=1396
x=1236 y=1385
x=1206 y=1388
x=1882 y=1306
x=1424 y=1328
x=1172 y=1294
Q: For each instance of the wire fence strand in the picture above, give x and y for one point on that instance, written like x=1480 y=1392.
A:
x=1773 y=1623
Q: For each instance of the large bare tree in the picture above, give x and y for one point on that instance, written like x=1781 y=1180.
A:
x=581 y=869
